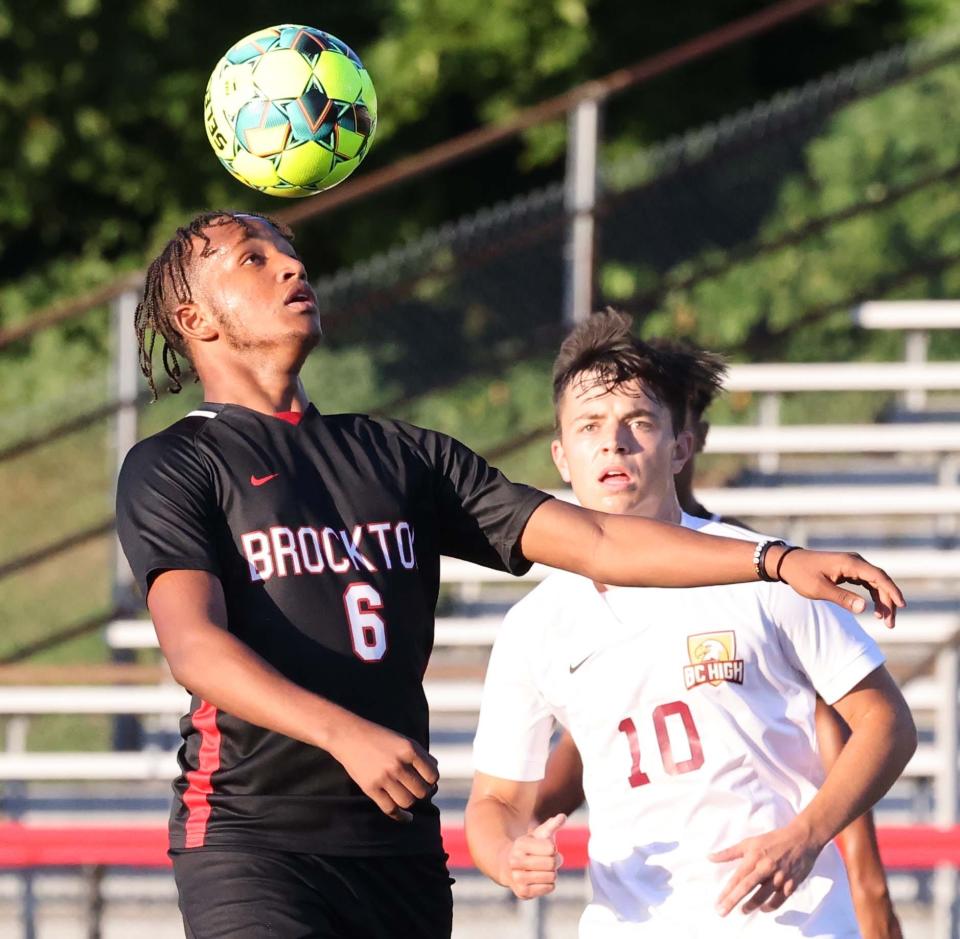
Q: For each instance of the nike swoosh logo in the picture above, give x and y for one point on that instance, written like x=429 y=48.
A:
x=260 y=480
x=573 y=668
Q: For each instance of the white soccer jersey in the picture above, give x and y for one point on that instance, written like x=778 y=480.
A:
x=693 y=711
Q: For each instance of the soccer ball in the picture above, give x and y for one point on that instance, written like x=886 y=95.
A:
x=290 y=110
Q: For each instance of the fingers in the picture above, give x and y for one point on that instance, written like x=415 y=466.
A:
x=847 y=599
x=777 y=900
x=748 y=876
x=762 y=894
x=529 y=891
x=426 y=765
x=407 y=781
x=548 y=828
x=388 y=805
x=401 y=815
x=532 y=873
x=886 y=595
x=727 y=854
x=818 y=576
x=882 y=607
x=536 y=862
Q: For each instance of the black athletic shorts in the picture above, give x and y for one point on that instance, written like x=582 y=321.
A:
x=263 y=894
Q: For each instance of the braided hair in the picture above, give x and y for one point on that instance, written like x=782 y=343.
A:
x=167 y=285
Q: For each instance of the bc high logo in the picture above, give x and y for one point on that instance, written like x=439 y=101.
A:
x=713 y=659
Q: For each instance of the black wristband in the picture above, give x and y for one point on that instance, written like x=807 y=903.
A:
x=793 y=547
x=760 y=559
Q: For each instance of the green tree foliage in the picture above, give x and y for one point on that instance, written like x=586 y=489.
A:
x=102 y=136
x=873 y=212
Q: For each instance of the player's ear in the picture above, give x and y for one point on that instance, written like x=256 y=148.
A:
x=560 y=460
x=701 y=429
x=194 y=322
x=682 y=450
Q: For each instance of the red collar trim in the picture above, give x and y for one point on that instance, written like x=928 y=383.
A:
x=291 y=417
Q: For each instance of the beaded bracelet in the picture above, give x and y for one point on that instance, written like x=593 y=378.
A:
x=760 y=558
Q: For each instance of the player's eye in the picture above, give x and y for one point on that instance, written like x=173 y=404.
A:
x=252 y=257
x=588 y=428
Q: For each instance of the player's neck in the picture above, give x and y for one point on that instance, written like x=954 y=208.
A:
x=257 y=389
x=668 y=510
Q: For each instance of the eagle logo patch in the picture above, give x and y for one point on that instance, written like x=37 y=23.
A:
x=713 y=659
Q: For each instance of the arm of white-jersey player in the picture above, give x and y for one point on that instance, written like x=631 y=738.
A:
x=883 y=738
x=876 y=915
x=504 y=840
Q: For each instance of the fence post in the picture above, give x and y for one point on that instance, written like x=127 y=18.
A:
x=29 y=905
x=125 y=378
x=534 y=916
x=580 y=200
x=94 y=882
x=769 y=416
x=916 y=344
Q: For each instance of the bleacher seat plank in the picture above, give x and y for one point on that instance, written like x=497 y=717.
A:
x=907 y=314
x=832 y=501
x=842 y=376
x=834 y=438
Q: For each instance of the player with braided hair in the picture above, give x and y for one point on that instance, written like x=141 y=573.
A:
x=167 y=284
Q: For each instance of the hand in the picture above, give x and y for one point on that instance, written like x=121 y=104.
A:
x=391 y=769
x=772 y=866
x=816 y=574
x=529 y=864
x=876 y=916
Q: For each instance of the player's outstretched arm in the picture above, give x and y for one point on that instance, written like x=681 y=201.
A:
x=189 y=613
x=882 y=741
x=505 y=841
x=876 y=915
x=630 y=551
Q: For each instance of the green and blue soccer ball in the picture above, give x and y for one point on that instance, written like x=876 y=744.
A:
x=290 y=110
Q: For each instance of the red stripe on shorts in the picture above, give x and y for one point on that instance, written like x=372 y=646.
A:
x=199 y=784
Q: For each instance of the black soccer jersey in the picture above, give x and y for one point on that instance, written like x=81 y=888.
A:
x=326 y=536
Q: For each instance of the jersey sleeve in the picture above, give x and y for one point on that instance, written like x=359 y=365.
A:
x=482 y=513
x=513 y=732
x=165 y=503
x=823 y=641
